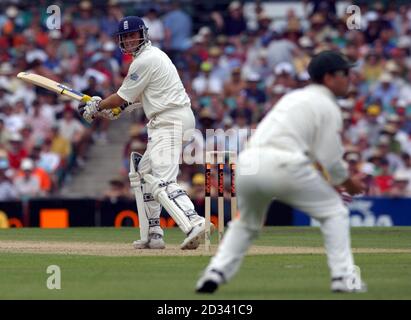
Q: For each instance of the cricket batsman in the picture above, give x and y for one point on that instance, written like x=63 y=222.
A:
x=153 y=83
x=302 y=129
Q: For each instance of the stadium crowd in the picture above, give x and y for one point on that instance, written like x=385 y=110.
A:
x=233 y=67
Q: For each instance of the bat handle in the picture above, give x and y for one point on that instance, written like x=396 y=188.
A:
x=116 y=110
x=86 y=98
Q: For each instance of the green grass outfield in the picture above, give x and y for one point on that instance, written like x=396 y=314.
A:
x=275 y=276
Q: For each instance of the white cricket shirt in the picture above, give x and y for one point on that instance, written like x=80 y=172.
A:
x=307 y=121
x=153 y=79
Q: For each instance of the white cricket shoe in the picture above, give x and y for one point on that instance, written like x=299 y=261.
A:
x=348 y=284
x=140 y=244
x=196 y=236
x=155 y=241
x=209 y=281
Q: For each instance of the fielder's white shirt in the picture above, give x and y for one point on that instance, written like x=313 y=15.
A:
x=307 y=121
x=153 y=79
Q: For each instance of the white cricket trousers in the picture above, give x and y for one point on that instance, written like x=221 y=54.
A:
x=166 y=134
x=264 y=174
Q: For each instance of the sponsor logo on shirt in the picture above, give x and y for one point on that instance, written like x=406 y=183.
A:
x=134 y=76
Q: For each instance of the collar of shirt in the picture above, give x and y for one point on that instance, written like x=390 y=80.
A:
x=324 y=90
x=144 y=47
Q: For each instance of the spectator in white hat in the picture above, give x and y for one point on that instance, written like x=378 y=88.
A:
x=385 y=90
x=253 y=90
x=284 y=74
x=400 y=187
x=27 y=185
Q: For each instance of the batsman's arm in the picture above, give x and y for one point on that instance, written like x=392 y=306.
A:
x=112 y=101
x=123 y=104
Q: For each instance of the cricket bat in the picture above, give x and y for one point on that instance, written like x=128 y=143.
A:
x=58 y=88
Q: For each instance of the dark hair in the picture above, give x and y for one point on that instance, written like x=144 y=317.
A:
x=327 y=62
x=320 y=78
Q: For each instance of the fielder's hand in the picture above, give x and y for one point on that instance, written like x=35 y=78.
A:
x=354 y=185
x=345 y=196
x=89 y=110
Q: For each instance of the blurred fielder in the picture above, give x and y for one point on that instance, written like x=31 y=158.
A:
x=153 y=79
x=302 y=129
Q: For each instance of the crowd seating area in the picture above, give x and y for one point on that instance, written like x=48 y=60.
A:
x=234 y=68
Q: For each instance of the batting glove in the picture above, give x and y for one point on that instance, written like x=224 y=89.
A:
x=111 y=114
x=90 y=109
x=135 y=181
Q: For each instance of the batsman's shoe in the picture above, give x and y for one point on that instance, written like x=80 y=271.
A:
x=210 y=281
x=140 y=244
x=348 y=284
x=155 y=241
x=195 y=236
x=193 y=239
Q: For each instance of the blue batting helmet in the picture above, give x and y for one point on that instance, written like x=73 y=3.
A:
x=132 y=24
